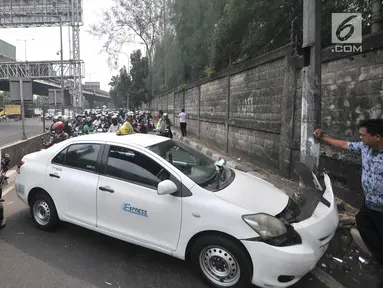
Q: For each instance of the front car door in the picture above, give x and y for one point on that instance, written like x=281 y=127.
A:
x=72 y=177
x=128 y=203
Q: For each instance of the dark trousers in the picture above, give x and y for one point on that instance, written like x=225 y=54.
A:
x=183 y=128
x=370 y=226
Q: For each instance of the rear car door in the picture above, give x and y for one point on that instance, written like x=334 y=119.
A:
x=73 y=177
x=128 y=203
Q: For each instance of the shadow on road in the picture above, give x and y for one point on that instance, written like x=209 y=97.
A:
x=92 y=258
x=95 y=258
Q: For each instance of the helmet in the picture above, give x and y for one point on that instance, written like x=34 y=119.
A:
x=58 y=127
x=130 y=114
x=165 y=115
x=65 y=119
x=55 y=119
x=114 y=120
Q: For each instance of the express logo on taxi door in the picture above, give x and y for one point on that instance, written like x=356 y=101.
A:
x=131 y=209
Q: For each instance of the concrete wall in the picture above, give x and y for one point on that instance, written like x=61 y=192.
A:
x=19 y=149
x=253 y=109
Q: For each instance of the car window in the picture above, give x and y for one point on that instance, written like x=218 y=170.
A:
x=133 y=166
x=192 y=163
x=82 y=156
x=60 y=157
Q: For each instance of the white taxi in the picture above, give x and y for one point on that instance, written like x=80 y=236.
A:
x=159 y=193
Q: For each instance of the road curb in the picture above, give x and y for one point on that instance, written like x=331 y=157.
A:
x=10 y=182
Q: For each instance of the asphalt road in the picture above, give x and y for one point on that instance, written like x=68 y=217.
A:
x=76 y=257
x=11 y=131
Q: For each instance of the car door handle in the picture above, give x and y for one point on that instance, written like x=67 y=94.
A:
x=54 y=175
x=106 y=189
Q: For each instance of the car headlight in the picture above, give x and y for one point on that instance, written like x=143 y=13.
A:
x=265 y=225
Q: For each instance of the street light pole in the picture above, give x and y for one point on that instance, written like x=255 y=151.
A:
x=62 y=68
x=24 y=137
x=25 y=46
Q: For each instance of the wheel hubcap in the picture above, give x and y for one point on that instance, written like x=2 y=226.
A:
x=219 y=266
x=41 y=212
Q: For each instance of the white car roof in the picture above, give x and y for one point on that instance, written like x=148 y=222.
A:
x=144 y=140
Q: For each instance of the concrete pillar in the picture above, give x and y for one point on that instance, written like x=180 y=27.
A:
x=377 y=19
x=91 y=103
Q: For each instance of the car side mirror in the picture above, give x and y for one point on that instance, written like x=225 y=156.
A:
x=166 y=187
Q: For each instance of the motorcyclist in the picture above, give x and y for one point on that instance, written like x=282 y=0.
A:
x=143 y=126
x=161 y=124
x=127 y=127
x=97 y=122
x=121 y=113
x=60 y=134
x=68 y=129
x=54 y=120
x=168 y=131
x=78 y=121
x=104 y=124
x=115 y=126
x=133 y=123
x=89 y=128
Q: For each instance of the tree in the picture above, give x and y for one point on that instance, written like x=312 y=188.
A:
x=120 y=87
x=139 y=73
x=129 y=18
x=203 y=37
x=4 y=99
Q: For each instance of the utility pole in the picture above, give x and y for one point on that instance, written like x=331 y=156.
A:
x=377 y=21
x=25 y=46
x=311 y=83
x=62 y=69
x=164 y=9
x=24 y=137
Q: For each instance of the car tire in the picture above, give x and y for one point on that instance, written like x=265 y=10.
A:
x=44 y=212
x=213 y=255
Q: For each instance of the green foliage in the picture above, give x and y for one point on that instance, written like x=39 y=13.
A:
x=202 y=37
x=4 y=99
x=209 y=71
x=131 y=84
x=210 y=35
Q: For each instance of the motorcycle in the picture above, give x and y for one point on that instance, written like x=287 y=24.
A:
x=45 y=144
x=5 y=162
x=168 y=131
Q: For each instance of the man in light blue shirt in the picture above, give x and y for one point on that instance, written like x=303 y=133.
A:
x=369 y=220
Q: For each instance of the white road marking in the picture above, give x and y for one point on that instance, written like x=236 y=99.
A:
x=9 y=189
x=12 y=179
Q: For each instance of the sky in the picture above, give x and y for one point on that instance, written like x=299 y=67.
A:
x=46 y=44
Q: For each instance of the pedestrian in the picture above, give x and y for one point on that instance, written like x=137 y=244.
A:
x=183 y=123
x=369 y=220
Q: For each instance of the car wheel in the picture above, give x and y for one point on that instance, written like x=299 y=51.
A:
x=44 y=212
x=222 y=262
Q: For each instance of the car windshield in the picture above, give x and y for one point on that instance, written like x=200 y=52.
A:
x=195 y=165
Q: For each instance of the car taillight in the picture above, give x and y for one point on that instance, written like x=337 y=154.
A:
x=21 y=163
